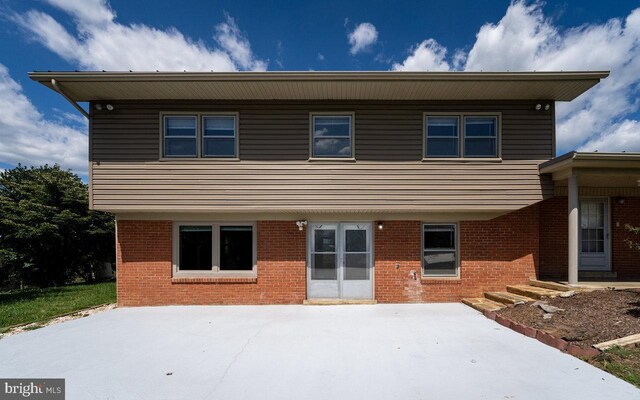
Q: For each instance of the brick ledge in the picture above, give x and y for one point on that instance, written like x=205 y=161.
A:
x=216 y=280
x=441 y=281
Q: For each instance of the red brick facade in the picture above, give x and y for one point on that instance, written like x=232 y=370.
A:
x=509 y=249
x=625 y=261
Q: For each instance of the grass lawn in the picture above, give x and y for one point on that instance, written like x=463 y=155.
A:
x=623 y=362
x=33 y=305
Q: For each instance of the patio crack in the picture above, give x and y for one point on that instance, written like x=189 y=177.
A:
x=233 y=361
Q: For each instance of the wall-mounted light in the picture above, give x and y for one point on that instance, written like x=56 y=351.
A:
x=380 y=225
x=301 y=224
x=99 y=107
x=620 y=200
x=538 y=107
x=547 y=107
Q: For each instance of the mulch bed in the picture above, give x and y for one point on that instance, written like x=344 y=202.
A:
x=589 y=318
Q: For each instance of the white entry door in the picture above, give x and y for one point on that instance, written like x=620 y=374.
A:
x=340 y=261
x=594 y=235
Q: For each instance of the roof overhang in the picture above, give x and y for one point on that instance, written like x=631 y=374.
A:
x=596 y=169
x=393 y=85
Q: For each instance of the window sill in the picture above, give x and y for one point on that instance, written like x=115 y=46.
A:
x=200 y=159
x=332 y=159
x=213 y=280
x=440 y=280
x=462 y=159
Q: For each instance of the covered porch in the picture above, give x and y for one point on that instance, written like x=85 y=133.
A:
x=603 y=199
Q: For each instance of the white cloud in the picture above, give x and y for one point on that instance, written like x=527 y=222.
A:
x=102 y=43
x=624 y=136
x=27 y=137
x=427 y=56
x=364 y=36
x=524 y=40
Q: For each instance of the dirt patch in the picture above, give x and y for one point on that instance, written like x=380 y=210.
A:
x=56 y=320
x=588 y=318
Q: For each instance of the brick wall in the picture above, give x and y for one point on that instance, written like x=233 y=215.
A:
x=554 y=235
x=144 y=268
x=493 y=254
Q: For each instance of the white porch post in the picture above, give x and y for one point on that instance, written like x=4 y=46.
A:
x=573 y=229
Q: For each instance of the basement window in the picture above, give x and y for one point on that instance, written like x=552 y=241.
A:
x=214 y=249
x=440 y=254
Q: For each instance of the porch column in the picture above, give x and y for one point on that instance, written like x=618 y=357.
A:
x=573 y=229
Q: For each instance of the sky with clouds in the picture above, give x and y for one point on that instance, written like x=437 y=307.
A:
x=37 y=126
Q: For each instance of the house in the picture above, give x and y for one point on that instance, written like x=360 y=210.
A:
x=281 y=187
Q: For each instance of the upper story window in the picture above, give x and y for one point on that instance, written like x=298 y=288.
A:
x=331 y=136
x=181 y=136
x=200 y=135
x=466 y=135
x=219 y=136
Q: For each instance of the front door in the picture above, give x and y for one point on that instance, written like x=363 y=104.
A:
x=594 y=235
x=340 y=261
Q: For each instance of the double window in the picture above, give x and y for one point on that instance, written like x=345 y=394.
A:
x=439 y=250
x=331 y=136
x=466 y=135
x=200 y=135
x=214 y=249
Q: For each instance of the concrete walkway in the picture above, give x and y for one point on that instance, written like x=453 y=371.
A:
x=421 y=351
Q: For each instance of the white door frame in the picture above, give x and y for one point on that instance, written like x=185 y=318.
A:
x=607 y=236
x=335 y=289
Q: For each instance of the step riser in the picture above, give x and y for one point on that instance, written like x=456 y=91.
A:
x=482 y=306
x=505 y=300
x=550 y=285
x=529 y=293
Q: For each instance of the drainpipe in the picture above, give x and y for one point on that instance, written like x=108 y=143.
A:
x=573 y=229
x=57 y=88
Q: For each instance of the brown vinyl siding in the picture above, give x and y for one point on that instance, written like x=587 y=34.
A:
x=390 y=131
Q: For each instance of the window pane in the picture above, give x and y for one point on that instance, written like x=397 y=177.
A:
x=325 y=240
x=331 y=126
x=219 y=147
x=356 y=267
x=195 y=247
x=442 y=147
x=180 y=126
x=219 y=126
x=480 y=126
x=324 y=267
x=439 y=263
x=477 y=147
x=439 y=237
x=356 y=240
x=332 y=147
x=180 y=147
x=442 y=126
x=236 y=248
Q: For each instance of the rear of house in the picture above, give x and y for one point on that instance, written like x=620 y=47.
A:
x=255 y=188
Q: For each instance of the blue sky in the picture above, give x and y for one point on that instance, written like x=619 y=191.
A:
x=38 y=126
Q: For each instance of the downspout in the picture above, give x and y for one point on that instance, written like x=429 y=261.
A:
x=69 y=99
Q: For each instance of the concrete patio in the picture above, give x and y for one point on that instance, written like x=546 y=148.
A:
x=413 y=351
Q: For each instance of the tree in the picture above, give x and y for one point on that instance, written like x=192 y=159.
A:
x=48 y=236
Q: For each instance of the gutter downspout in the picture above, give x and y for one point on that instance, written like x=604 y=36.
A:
x=69 y=99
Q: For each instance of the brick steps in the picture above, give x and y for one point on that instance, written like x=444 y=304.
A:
x=532 y=291
x=507 y=298
x=483 y=304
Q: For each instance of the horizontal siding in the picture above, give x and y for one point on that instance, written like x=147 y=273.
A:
x=290 y=186
x=390 y=131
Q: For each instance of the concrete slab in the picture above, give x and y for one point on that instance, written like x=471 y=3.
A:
x=420 y=351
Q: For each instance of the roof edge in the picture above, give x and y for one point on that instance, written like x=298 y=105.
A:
x=569 y=158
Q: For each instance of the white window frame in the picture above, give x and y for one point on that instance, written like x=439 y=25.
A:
x=456 y=250
x=496 y=137
x=312 y=124
x=462 y=136
x=235 y=134
x=199 y=115
x=215 y=248
x=165 y=136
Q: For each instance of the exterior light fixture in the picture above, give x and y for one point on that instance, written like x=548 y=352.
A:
x=109 y=107
x=380 y=225
x=99 y=107
x=301 y=224
x=547 y=107
x=538 y=107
